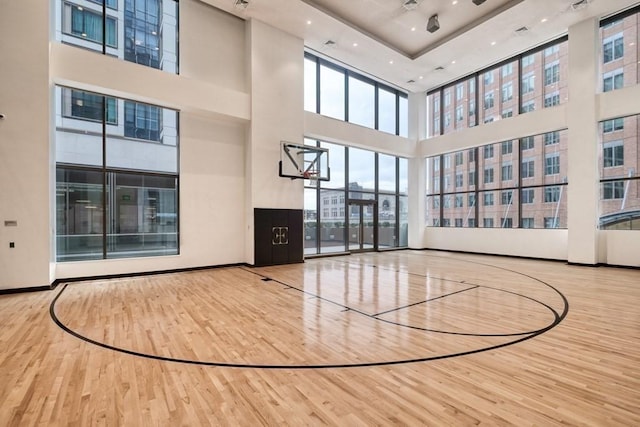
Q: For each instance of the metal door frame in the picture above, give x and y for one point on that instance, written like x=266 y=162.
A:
x=362 y=203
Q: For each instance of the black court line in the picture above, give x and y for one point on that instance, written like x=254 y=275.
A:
x=556 y=322
x=418 y=328
x=425 y=301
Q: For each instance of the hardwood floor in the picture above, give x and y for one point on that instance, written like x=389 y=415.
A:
x=395 y=338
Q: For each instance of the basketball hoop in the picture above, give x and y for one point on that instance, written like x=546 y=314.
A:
x=311 y=175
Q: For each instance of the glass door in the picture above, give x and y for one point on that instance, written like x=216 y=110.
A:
x=363 y=228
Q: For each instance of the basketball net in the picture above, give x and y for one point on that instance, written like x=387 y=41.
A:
x=311 y=175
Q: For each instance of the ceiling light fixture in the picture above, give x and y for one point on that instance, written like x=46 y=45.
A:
x=478 y=2
x=433 y=25
x=355 y=45
x=543 y=20
x=308 y=22
x=493 y=43
x=454 y=2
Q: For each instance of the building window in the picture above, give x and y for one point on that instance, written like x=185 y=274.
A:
x=528 y=60
x=527 y=223
x=143 y=28
x=507 y=91
x=88 y=106
x=507 y=69
x=552 y=164
x=507 y=113
x=613 y=80
x=507 y=197
x=458 y=222
x=613 y=48
x=488 y=77
x=506 y=222
x=551 y=50
x=459 y=113
x=459 y=91
x=613 y=125
x=527 y=143
x=507 y=147
x=488 y=175
x=459 y=180
x=471 y=200
x=488 y=100
x=472 y=155
x=527 y=168
x=472 y=178
x=507 y=172
x=528 y=106
x=459 y=158
x=459 y=203
x=551 y=138
x=552 y=73
x=551 y=99
x=527 y=195
x=551 y=194
x=487 y=199
x=86 y=24
x=488 y=151
x=613 y=154
x=613 y=190
x=447 y=98
x=487 y=222
x=528 y=83
x=142 y=121
x=550 y=222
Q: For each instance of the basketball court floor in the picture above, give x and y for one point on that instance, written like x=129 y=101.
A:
x=386 y=338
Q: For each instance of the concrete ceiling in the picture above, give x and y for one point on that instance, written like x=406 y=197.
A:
x=389 y=41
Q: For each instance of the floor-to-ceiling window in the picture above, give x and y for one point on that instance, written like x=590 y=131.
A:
x=619 y=162
x=116 y=177
x=520 y=183
x=340 y=93
x=363 y=206
x=530 y=81
x=140 y=31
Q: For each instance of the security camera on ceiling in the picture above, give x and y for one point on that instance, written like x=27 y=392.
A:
x=433 y=25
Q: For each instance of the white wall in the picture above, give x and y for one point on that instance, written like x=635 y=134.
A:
x=24 y=144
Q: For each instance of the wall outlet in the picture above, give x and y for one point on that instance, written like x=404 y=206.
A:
x=12 y=245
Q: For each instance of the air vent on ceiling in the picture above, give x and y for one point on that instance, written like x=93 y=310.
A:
x=439 y=68
x=522 y=30
x=329 y=43
x=581 y=4
x=411 y=81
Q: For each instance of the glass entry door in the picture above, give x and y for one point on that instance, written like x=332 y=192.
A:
x=363 y=229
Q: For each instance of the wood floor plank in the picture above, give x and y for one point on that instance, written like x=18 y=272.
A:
x=583 y=371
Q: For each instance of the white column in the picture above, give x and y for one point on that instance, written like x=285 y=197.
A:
x=582 y=121
x=25 y=162
x=276 y=85
x=417 y=182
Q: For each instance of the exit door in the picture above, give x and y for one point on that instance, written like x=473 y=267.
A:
x=363 y=227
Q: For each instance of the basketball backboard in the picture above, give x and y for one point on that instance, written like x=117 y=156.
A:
x=304 y=162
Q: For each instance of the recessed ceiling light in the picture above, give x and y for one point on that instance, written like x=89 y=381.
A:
x=543 y=20
x=308 y=22
x=453 y=62
x=454 y=2
x=421 y=77
x=391 y=62
x=355 y=45
x=413 y=28
x=493 y=43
